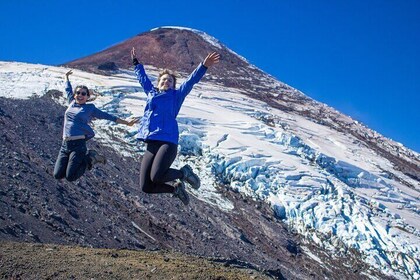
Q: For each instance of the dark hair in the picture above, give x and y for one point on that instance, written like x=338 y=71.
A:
x=81 y=87
x=87 y=90
x=170 y=73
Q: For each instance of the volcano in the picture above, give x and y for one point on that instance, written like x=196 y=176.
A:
x=183 y=48
x=290 y=186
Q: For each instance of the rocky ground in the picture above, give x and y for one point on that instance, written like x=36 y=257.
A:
x=106 y=209
x=44 y=261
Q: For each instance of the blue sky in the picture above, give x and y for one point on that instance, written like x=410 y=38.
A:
x=360 y=57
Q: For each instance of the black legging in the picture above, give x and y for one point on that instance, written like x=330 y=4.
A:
x=155 y=168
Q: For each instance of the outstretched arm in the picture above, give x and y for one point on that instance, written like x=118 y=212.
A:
x=99 y=114
x=211 y=59
x=69 y=89
x=140 y=73
x=195 y=77
x=68 y=74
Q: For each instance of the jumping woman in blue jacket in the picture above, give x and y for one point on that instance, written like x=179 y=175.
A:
x=74 y=158
x=159 y=129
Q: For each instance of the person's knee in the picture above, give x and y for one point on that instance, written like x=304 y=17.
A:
x=59 y=171
x=156 y=178
x=58 y=176
x=147 y=188
x=71 y=177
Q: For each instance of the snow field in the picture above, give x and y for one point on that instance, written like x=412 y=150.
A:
x=324 y=184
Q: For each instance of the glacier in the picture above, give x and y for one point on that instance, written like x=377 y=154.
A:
x=324 y=184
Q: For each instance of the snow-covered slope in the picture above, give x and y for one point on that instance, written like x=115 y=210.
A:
x=327 y=186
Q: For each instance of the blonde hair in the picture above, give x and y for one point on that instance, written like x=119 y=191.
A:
x=170 y=73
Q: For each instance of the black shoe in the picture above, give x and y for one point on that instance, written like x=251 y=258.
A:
x=94 y=158
x=89 y=164
x=181 y=193
x=190 y=177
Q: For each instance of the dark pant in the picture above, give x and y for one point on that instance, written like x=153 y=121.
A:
x=155 y=168
x=72 y=160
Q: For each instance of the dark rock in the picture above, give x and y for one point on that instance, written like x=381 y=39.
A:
x=108 y=66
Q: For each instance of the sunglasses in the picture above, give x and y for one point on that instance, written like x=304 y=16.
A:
x=83 y=93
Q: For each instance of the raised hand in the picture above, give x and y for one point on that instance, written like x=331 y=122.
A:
x=68 y=74
x=133 y=53
x=134 y=57
x=211 y=59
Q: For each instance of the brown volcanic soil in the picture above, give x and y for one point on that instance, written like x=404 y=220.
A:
x=180 y=50
x=46 y=261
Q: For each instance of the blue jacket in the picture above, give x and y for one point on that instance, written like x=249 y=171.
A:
x=78 y=117
x=162 y=107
